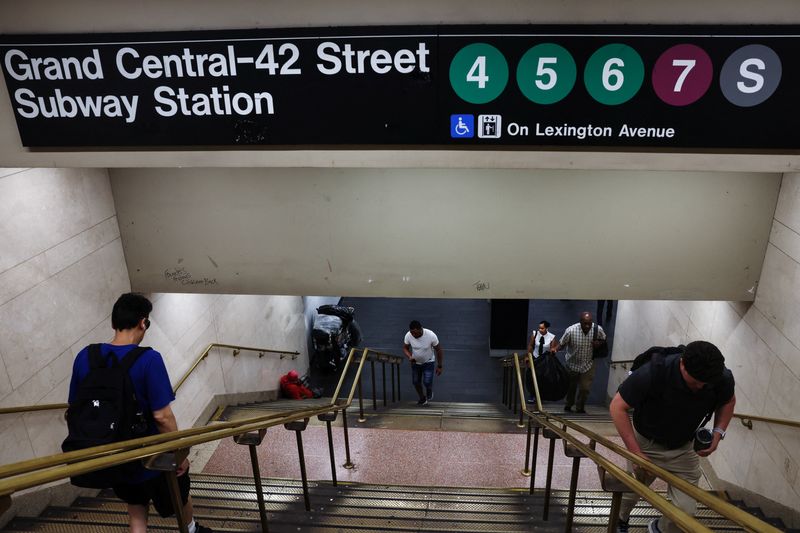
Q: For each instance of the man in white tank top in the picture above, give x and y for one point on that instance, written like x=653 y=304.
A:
x=421 y=347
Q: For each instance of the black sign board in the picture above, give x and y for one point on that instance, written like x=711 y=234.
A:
x=534 y=87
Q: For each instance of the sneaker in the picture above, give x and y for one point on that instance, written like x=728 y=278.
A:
x=582 y=411
x=202 y=529
x=430 y=397
x=652 y=527
x=422 y=402
x=622 y=526
x=567 y=408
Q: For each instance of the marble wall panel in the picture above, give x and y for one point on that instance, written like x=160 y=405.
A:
x=783 y=348
x=16 y=444
x=765 y=477
x=787 y=211
x=41 y=323
x=46 y=430
x=775 y=298
x=22 y=277
x=5 y=172
x=49 y=206
x=176 y=313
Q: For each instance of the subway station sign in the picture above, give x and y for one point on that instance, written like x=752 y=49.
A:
x=475 y=87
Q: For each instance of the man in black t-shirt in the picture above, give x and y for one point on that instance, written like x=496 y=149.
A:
x=671 y=397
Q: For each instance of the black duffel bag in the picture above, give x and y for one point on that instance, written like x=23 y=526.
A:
x=551 y=376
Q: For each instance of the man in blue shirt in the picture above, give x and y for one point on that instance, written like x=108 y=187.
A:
x=130 y=319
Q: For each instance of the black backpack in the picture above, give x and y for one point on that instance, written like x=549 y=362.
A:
x=105 y=410
x=645 y=356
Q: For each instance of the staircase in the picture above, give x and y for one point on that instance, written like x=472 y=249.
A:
x=229 y=504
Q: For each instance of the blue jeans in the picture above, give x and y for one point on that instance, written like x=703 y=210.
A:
x=423 y=373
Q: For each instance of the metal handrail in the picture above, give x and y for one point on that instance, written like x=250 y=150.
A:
x=747 y=420
x=30 y=408
x=678 y=516
x=26 y=474
x=625 y=362
x=236 y=350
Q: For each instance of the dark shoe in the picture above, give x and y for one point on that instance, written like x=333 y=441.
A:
x=582 y=411
x=423 y=402
x=567 y=408
x=202 y=529
x=652 y=527
x=430 y=398
x=622 y=526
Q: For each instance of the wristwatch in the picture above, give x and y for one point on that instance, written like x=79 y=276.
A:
x=721 y=432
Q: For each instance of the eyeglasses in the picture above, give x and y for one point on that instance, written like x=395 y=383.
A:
x=146 y=323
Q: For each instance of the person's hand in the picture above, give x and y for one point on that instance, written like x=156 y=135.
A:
x=639 y=472
x=711 y=449
x=183 y=467
x=438 y=371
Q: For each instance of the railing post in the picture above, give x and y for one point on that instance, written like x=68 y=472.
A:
x=262 y=509
x=548 y=434
x=394 y=393
x=514 y=399
x=527 y=471
x=361 y=417
x=168 y=463
x=505 y=385
x=383 y=375
x=177 y=503
x=573 y=488
x=298 y=426
x=374 y=390
x=398 y=382
x=613 y=518
x=328 y=418
x=348 y=464
x=251 y=440
x=535 y=456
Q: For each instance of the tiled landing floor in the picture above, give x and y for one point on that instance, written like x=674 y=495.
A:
x=390 y=456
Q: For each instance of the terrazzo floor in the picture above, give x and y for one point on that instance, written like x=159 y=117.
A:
x=407 y=457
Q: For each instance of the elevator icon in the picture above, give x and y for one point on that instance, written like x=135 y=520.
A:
x=489 y=126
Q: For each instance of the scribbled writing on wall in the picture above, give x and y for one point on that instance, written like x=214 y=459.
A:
x=183 y=277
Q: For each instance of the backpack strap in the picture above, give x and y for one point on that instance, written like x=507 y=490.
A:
x=131 y=357
x=96 y=359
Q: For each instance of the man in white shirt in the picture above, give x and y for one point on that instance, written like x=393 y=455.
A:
x=421 y=347
x=579 y=340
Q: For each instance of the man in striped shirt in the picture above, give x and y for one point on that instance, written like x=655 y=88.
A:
x=579 y=340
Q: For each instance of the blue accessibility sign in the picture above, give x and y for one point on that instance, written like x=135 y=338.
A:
x=462 y=126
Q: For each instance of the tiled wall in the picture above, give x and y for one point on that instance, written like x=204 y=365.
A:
x=761 y=344
x=61 y=269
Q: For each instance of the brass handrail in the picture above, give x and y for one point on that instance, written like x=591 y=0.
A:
x=26 y=474
x=30 y=408
x=747 y=420
x=682 y=519
x=626 y=361
x=236 y=350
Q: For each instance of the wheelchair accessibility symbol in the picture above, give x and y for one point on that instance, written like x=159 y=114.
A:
x=462 y=126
